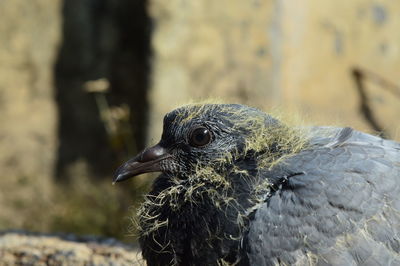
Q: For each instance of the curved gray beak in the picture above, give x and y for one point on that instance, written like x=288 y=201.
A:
x=147 y=161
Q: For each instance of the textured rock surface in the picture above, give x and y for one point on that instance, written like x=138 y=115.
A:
x=23 y=249
x=298 y=55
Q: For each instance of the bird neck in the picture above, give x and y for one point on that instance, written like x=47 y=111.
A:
x=194 y=220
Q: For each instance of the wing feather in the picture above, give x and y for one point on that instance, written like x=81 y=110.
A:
x=343 y=210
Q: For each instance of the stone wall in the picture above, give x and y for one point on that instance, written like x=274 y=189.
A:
x=299 y=56
x=52 y=128
x=219 y=49
x=29 y=36
x=323 y=42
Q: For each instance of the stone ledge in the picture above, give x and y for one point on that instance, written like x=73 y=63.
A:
x=22 y=248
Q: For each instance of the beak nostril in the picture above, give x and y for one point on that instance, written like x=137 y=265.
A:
x=151 y=154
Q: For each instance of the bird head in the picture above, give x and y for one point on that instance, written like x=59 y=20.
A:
x=204 y=136
x=213 y=159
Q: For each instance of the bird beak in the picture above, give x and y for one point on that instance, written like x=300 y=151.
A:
x=147 y=161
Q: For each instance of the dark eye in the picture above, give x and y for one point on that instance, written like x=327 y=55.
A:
x=199 y=137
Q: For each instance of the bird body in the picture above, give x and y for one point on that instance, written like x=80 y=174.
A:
x=240 y=187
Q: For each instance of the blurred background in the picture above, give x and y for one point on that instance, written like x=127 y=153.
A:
x=84 y=85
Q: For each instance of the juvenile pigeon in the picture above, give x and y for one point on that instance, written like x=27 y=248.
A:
x=238 y=187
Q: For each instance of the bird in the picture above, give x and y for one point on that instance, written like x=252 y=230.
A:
x=240 y=187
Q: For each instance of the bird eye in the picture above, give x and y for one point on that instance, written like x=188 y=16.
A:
x=199 y=137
